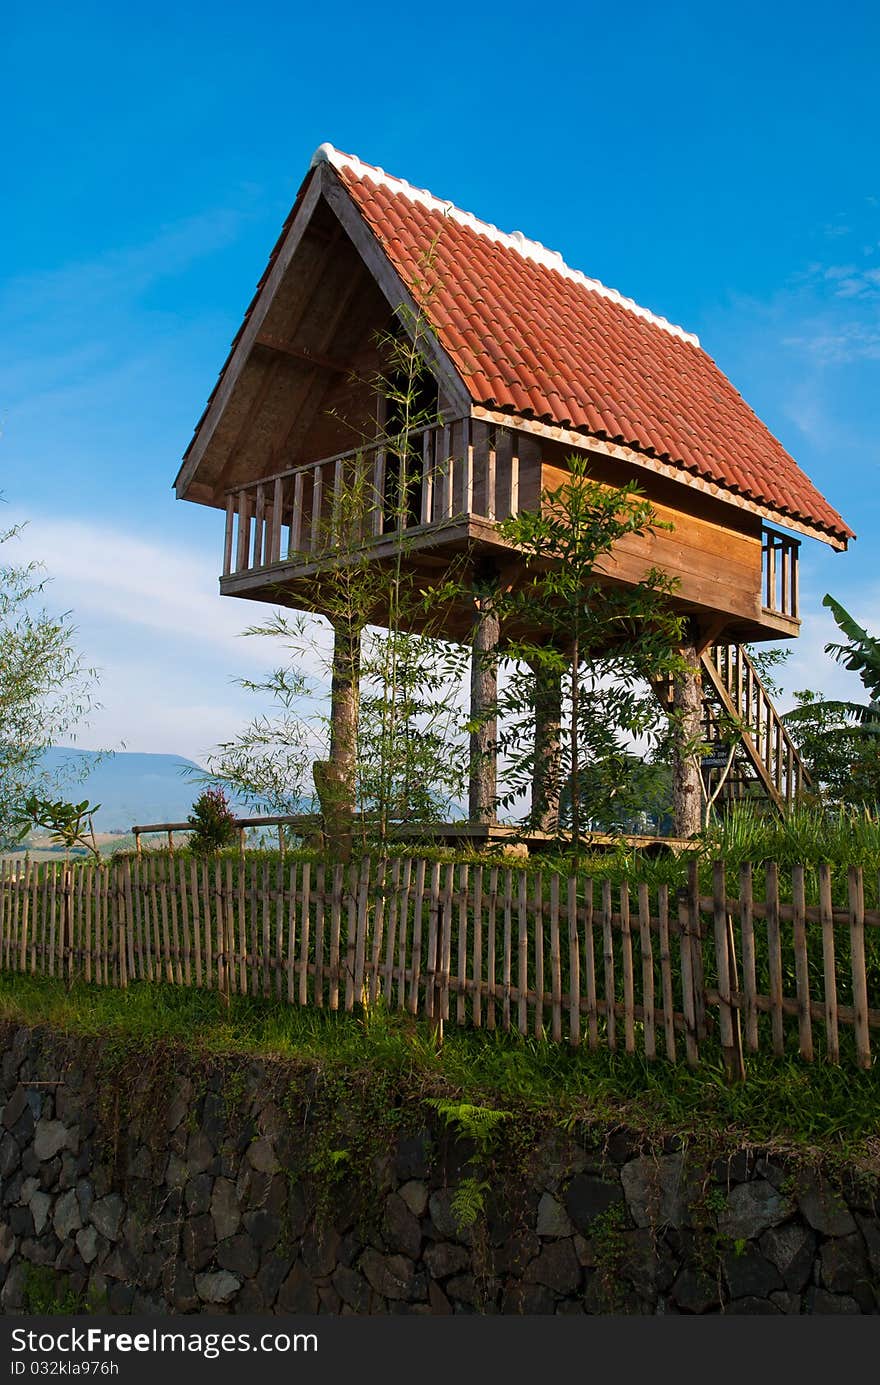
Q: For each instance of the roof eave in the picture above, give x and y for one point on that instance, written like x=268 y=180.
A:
x=581 y=438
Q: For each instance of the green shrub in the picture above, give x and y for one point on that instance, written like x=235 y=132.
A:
x=213 y=823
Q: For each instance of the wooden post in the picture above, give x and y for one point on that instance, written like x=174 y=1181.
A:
x=335 y=778
x=687 y=702
x=484 y=703
x=547 y=703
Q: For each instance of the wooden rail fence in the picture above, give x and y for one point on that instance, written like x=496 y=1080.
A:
x=567 y=958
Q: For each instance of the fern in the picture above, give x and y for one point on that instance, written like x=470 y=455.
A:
x=477 y=1123
x=467 y=1201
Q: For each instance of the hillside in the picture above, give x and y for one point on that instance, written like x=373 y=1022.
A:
x=130 y=787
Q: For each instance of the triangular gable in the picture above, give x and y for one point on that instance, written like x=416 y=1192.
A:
x=516 y=331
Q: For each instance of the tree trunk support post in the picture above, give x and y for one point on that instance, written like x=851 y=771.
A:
x=483 y=786
x=335 y=778
x=687 y=712
x=547 y=704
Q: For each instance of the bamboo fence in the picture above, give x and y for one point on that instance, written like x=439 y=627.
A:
x=621 y=966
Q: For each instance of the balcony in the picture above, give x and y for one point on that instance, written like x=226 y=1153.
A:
x=454 y=473
x=461 y=479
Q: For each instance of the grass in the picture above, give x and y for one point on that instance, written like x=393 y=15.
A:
x=817 y=1111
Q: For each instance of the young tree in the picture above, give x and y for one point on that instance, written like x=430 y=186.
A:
x=840 y=740
x=45 y=688
x=589 y=648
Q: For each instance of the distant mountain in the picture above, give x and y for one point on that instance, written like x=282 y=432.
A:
x=130 y=787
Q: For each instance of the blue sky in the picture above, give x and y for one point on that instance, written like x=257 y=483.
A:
x=718 y=164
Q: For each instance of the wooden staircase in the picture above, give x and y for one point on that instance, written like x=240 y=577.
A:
x=766 y=763
x=766 y=760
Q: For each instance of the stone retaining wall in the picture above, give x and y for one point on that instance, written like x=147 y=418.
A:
x=216 y=1192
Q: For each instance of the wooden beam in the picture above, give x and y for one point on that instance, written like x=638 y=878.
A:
x=395 y=290
x=301 y=353
x=585 y=442
x=237 y=359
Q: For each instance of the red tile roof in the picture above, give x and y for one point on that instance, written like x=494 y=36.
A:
x=535 y=338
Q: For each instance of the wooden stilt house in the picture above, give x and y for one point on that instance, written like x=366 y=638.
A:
x=528 y=361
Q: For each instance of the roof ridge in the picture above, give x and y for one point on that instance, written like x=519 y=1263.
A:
x=512 y=240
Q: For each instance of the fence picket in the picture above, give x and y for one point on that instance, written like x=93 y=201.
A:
x=608 y=965
x=666 y=990
x=801 y=963
x=574 y=964
x=461 y=989
x=320 y=925
x=829 y=970
x=856 y=892
x=590 y=968
x=523 y=953
x=691 y=1039
x=647 y=969
x=774 y=957
x=747 y=936
x=491 y=924
x=416 y=957
x=555 y=963
x=628 y=987
x=305 y=934
x=538 y=1016
x=291 y=944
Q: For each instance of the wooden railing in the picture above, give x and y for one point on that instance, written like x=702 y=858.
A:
x=733 y=684
x=768 y=961
x=452 y=470
x=779 y=584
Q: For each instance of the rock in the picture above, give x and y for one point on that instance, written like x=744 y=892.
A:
x=319 y=1249
x=9 y=1155
x=179 y=1285
x=50 y=1137
x=239 y=1254
x=513 y=1256
x=415 y=1195
x=12 y=1293
x=198 y=1241
x=791 y=1249
x=736 y=1168
x=553 y=1220
x=824 y=1209
x=85 y=1196
x=352 y=1288
x=272 y=1275
x=390 y=1275
x=14 y=1107
x=261 y=1156
x=199 y=1154
x=643 y=1262
x=87 y=1244
x=463 y=1289
x=750 y=1274
x=870 y=1230
x=695 y=1292
x=821 y=1301
x=444 y=1220
x=224 y=1209
x=298 y=1294
x=178 y=1106
x=412 y=1157
x=250 y=1300
x=176 y=1172
x=263 y=1227
x=586 y=1198
x=557 y=1267
x=66 y=1219
x=7 y=1244
x=753 y=1307
x=217 y=1287
x=20 y=1221
x=400 y=1229
x=658 y=1191
x=197 y=1194
x=844 y=1264
x=786 y=1302
x=437 y=1300
x=531 y=1299
x=107 y=1215
x=39 y=1205
x=752 y=1208
x=443 y=1259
